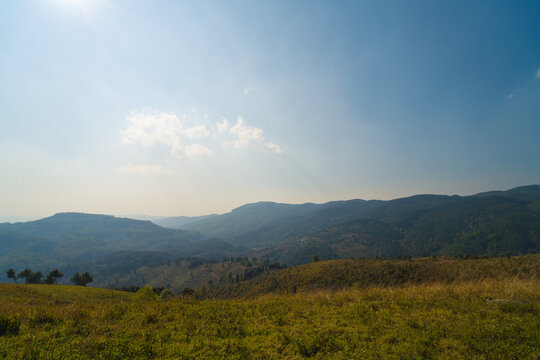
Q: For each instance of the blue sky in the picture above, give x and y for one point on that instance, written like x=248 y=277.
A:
x=188 y=108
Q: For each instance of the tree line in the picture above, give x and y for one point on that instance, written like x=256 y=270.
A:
x=31 y=277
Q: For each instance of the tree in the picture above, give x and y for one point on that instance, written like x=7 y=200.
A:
x=188 y=292
x=31 y=277
x=25 y=273
x=35 y=278
x=82 y=279
x=315 y=258
x=203 y=292
x=166 y=294
x=11 y=275
x=53 y=276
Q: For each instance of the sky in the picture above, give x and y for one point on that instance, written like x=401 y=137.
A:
x=174 y=108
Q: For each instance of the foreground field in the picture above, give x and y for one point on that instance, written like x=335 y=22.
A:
x=487 y=319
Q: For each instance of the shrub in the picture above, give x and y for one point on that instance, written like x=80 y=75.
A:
x=146 y=293
x=82 y=279
x=188 y=292
x=42 y=316
x=116 y=312
x=9 y=326
x=166 y=294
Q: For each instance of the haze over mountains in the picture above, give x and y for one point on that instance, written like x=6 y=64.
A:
x=491 y=223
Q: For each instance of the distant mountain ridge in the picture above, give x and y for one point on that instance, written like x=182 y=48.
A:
x=491 y=223
x=416 y=225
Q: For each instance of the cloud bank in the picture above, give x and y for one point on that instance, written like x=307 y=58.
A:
x=151 y=129
x=179 y=133
x=189 y=136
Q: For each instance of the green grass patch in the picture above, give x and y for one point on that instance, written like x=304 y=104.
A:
x=427 y=321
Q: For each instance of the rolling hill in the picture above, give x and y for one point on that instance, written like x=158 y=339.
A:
x=336 y=275
x=476 y=226
x=492 y=223
x=74 y=237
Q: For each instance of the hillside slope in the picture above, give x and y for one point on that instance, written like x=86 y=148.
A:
x=491 y=226
x=464 y=320
x=493 y=223
x=74 y=237
x=137 y=268
x=332 y=275
x=57 y=294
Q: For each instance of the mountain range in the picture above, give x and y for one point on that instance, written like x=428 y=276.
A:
x=491 y=223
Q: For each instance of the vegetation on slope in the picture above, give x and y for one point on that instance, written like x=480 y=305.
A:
x=492 y=224
x=455 y=321
x=194 y=273
x=110 y=269
x=73 y=237
x=334 y=275
x=480 y=226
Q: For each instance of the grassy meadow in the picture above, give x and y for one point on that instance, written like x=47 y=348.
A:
x=486 y=318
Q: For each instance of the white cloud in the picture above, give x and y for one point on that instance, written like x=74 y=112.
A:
x=245 y=134
x=196 y=132
x=538 y=74
x=273 y=147
x=144 y=169
x=152 y=129
x=196 y=150
x=223 y=125
x=167 y=129
x=246 y=91
x=510 y=96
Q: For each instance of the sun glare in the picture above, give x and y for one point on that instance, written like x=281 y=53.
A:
x=86 y=7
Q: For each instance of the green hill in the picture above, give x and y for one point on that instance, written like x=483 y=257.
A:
x=174 y=269
x=58 y=294
x=494 y=223
x=74 y=237
x=334 y=275
x=490 y=310
x=491 y=226
x=192 y=273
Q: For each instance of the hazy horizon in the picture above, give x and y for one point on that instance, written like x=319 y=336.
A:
x=146 y=216
x=170 y=108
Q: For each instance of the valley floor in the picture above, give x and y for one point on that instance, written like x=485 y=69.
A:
x=471 y=320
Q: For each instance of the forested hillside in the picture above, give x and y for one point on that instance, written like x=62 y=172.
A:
x=475 y=226
x=73 y=238
x=495 y=223
x=488 y=224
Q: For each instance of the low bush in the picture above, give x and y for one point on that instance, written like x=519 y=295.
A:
x=9 y=326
